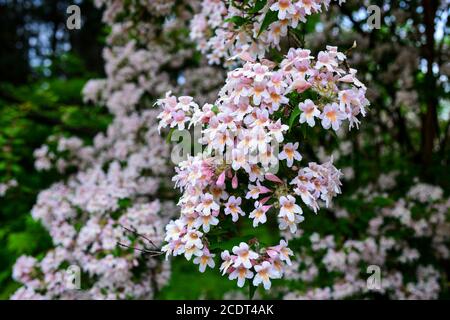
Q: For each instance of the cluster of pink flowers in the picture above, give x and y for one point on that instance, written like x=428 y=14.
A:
x=106 y=272
x=242 y=132
x=120 y=179
x=218 y=37
x=254 y=92
x=115 y=8
x=268 y=264
x=403 y=273
x=5 y=186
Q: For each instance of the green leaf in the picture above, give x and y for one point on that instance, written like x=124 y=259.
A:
x=258 y=6
x=271 y=16
x=294 y=114
x=169 y=135
x=215 y=109
x=304 y=131
x=251 y=291
x=124 y=203
x=311 y=23
x=237 y=20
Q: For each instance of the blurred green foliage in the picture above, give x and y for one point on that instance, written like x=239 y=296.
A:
x=29 y=114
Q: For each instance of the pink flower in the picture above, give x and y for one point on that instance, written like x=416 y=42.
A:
x=259 y=214
x=290 y=153
x=326 y=60
x=259 y=92
x=207 y=204
x=205 y=258
x=283 y=7
x=260 y=72
x=309 y=112
x=233 y=207
x=288 y=208
x=185 y=103
x=332 y=117
x=271 y=177
x=179 y=119
x=221 y=180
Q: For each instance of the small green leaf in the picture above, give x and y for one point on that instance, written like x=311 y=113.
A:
x=169 y=135
x=258 y=6
x=271 y=16
x=251 y=291
x=294 y=114
x=304 y=131
x=215 y=109
x=237 y=20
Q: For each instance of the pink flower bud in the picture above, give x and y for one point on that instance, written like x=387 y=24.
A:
x=263 y=189
x=264 y=200
x=221 y=180
x=234 y=182
x=273 y=178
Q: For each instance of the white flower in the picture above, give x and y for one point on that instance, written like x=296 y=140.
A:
x=241 y=273
x=259 y=92
x=276 y=130
x=205 y=259
x=255 y=191
x=244 y=255
x=281 y=251
x=309 y=112
x=174 y=230
x=285 y=223
x=283 y=7
x=185 y=103
x=239 y=160
x=259 y=214
x=264 y=272
x=208 y=204
x=290 y=153
x=232 y=207
x=206 y=221
x=193 y=238
x=227 y=261
x=332 y=116
x=190 y=251
x=288 y=208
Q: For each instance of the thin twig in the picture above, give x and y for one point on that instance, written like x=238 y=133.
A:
x=139 y=235
x=151 y=252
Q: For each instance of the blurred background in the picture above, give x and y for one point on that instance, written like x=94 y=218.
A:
x=398 y=159
x=43 y=68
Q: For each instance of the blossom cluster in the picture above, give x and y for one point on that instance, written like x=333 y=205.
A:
x=405 y=271
x=219 y=37
x=93 y=249
x=102 y=216
x=5 y=186
x=241 y=133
